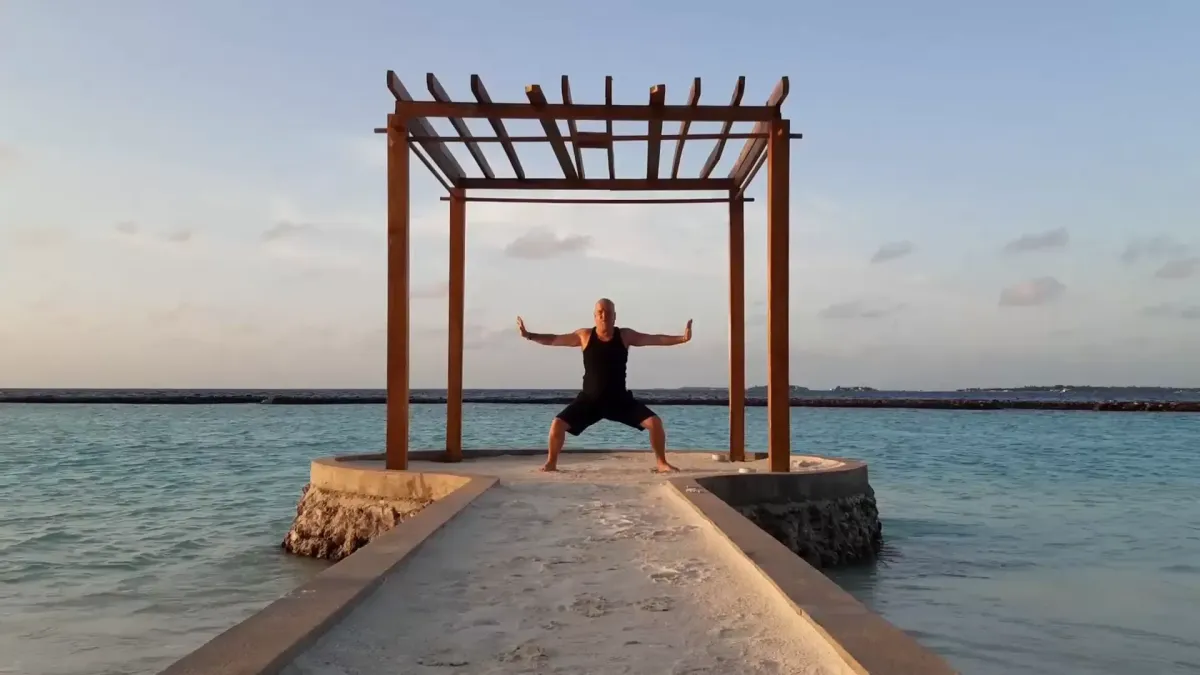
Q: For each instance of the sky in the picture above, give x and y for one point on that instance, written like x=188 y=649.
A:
x=987 y=194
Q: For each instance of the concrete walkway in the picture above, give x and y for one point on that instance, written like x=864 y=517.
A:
x=597 y=569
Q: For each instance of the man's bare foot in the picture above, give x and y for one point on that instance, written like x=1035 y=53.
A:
x=548 y=467
x=664 y=467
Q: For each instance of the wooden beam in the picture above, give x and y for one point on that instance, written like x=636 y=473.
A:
x=715 y=156
x=396 y=424
x=608 y=125
x=481 y=95
x=590 y=112
x=756 y=146
x=658 y=98
x=573 y=128
x=537 y=99
x=454 y=352
x=589 y=200
x=596 y=139
x=779 y=423
x=439 y=94
x=662 y=184
x=693 y=100
x=737 y=328
x=423 y=133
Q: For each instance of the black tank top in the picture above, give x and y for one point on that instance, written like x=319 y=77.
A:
x=604 y=366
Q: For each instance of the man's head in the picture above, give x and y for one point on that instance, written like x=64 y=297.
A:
x=605 y=314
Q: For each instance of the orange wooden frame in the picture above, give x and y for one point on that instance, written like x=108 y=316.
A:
x=408 y=129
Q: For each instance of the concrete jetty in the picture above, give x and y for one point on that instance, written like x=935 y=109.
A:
x=602 y=567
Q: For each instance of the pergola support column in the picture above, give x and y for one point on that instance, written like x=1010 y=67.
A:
x=778 y=278
x=396 y=442
x=457 y=300
x=737 y=327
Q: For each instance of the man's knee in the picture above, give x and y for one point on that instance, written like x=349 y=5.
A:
x=652 y=423
x=559 y=426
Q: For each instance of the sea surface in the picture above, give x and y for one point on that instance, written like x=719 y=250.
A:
x=1064 y=543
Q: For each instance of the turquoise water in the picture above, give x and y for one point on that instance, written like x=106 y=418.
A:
x=1017 y=542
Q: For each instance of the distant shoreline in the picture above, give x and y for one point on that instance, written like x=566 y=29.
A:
x=912 y=400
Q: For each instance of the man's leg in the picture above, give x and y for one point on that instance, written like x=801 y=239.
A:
x=577 y=416
x=632 y=413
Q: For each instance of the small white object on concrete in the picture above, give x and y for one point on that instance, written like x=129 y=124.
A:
x=745 y=469
x=719 y=458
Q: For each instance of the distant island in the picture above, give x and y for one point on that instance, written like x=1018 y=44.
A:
x=1056 y=397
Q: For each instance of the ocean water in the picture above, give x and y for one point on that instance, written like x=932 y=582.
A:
x=1016 y=542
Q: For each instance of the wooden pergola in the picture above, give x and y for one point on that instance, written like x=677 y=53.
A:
x=408 y=128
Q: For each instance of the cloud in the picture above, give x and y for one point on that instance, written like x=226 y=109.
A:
x=1170 y=311
x=431 y=291
x=1179 y=269
x=892 y=251
x=540 y=244
x=132 y=232
x=1056 y=238
x=284 y=229
x=40 y=238
x=1039 y=291
x=856 y=309
x=8 y=156
x=1160 y=246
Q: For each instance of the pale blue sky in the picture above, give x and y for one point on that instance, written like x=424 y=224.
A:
x=1028 y=170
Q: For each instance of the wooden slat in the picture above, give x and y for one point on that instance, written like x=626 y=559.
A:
x=693 y=100
x=757 y=146
x=608 y=124
x=573 y=128
x=658 y=98
x=592 y=139
x=631 y=184
x=537 y=99
x=439 y=94
x=592 y=112
x=481 y=95
x=719 y=148
x=591 y=200
x=423 y=133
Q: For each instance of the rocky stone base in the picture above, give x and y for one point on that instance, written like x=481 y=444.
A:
x=332 y=525
x=827 y=533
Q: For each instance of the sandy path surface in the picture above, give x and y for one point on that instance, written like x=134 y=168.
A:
x=558 y=574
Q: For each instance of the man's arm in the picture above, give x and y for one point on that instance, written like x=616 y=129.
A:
x=633 y=338
x=549 y=339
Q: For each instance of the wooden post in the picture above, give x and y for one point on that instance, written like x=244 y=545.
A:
x=779 y=410
x=397 y=295
x=454 y=354
x=737 y=328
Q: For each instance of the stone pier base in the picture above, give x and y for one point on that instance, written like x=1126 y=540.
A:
x=826 y=533
x=349 y=501
x=827 y=517
x=331 y=525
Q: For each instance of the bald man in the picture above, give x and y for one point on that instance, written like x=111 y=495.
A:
x=604 y=395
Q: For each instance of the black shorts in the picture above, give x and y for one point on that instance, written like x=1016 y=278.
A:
x=583 y=412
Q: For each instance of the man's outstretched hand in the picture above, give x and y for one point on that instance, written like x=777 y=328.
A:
x=525 y=334
x=687 y=332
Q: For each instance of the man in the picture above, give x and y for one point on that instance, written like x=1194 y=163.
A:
x=604 y=395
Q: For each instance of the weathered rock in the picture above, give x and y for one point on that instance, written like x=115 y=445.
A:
x=332 y=525
x=826 y=533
